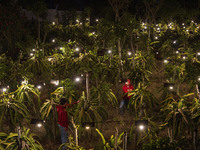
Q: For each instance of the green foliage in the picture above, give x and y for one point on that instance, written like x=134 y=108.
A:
x=27 y=140
x=12 y=110
x=68 y=88
x=193 y=71
x=38 y=66
x=110 y=144
x=177 y=114
x=89 y=111
x=103 y=93
x=71 y=145
x=25 y=94
x=141 y=72
x=159 y=144
x=142 y=99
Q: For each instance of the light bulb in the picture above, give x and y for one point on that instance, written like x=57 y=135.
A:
x=4 y=89
x=165 y=61
x=49 y=59
x=39 y=86
x=39 y=125
x=129 y=53
x=77 y=79
x=87 y=127
x=141 y=127
x=77 y=49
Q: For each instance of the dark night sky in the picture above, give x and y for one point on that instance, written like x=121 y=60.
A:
x=76 y=4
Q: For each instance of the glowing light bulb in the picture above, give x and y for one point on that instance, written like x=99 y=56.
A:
x=109 y=51
x=198 y=53
x=177 y=52
x=156 y=37
x=33 y=50
x=171 y=87
x=53 y=23
x=87 y=127
x=183 y=24
x=184 y=57
x=77 y=49
x=141 y=127
x=165 y=61
x=39 y=86
x=77 y=79
x=4 y=89
x=39 y=125
x=174 y=42
x=97 y=20
x=50 y=59
x=129 y=53
x=31 y=54
x=53 y=40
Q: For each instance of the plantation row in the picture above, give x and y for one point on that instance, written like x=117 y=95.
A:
x=86 y=60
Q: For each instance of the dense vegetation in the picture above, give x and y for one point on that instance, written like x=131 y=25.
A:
x=85 y=57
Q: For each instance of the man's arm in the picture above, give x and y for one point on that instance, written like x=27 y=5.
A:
x=70 y=105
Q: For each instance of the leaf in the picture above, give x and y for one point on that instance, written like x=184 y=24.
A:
x=183 y=115
x=102 y=137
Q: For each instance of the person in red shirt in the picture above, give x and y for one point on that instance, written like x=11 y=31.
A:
x=63 y=118
x=125 y=100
